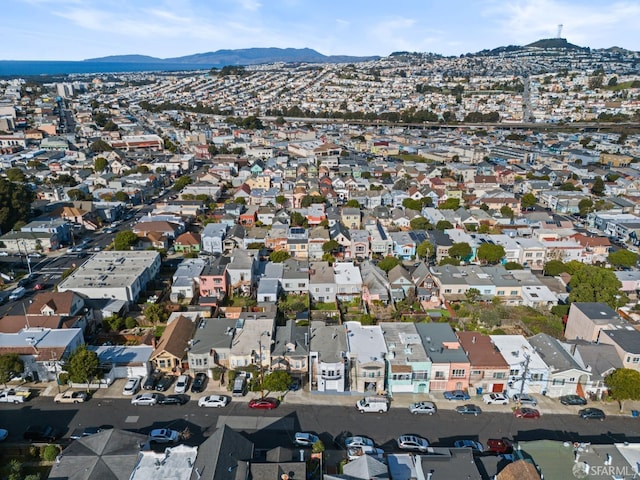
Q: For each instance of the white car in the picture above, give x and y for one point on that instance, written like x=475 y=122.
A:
x=71 y=396
x=305 y=439
x=217 y=401
x=147 y=399
x=181 y=384
x=412 y=443
x=163 y=435
x=132 y=386
x=4 y=254
x=359 y=441
x=495 y=399
x=354 y=453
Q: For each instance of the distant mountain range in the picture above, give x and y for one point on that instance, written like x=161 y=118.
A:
x=245 y=56
x=255 y=56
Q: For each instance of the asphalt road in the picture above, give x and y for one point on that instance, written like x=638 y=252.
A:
x=273 y=428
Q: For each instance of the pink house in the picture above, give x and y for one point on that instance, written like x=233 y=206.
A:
x=450 y=366
x=214 y=279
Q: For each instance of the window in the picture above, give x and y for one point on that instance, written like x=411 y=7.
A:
x=514 y=372
x=558 y=381
x=528 y=255
x=536 y=377
x=458 y=373
x=476 y=373
x=421 y=375
x=501 y=293
x=499 y=375
x=636 y=359
x=514 y=293
x=439 y=375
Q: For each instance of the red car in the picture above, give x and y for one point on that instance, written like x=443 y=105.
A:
x=264 y=403
x=499 y=445
x=39 y=286
x=526 y=412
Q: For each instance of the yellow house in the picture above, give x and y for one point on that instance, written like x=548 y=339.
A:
x=171 y=350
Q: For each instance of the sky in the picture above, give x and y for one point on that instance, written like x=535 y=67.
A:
x=81 y=29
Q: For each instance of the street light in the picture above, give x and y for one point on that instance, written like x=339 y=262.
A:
x=268 y=334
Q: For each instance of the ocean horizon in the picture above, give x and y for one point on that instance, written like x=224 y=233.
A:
x=17 y=68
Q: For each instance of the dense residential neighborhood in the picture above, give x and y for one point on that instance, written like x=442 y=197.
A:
x=224 y=228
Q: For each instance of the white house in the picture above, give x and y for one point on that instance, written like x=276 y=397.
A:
x=527 y=371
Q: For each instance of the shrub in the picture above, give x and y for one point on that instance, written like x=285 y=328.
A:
x=63 y=378
x=130 y=322
x=49 y=453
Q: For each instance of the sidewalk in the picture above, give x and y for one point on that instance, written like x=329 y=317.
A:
x=546 y=405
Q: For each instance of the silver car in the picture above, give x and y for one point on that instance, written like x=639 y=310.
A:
x=146 y=399
x=525 y=399
x=423 y=407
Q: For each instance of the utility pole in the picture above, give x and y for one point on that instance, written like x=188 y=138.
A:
x=525 y=372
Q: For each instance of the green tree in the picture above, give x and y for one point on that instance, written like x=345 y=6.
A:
x=100 y=164
x=10 y=366
x=298 y=220
x=506 y=211
x=100 y=146
x=450 y=204
x=82 y=365
x=412 y=204
x=353 y=203
x=596 y=284
x=623 y=259
x=450 y=261
x=279 y=256
x=425 y=249
x=528 y=200
x=490 y=253
x=420 y=223
x=472 y=295
x=598 y=187
x=388 y=263
x=554 y=267
x=15 y=203
x=156 y=313
x=568 y=187
x=513 y=266
x=14 y=174
x=181 y=182
x=623 y=384
x=121 y=197
x=443 y=225
x=585 y=205
x=281 y=199
x=124 y=240
x=460 y=250
x=309 y=200
x=277 y=381
x=114 y=323
x=331 y=246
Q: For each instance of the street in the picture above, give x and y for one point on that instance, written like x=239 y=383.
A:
x=276 y=428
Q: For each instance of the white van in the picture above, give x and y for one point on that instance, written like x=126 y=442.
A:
x=17 y=294
x=377 y=404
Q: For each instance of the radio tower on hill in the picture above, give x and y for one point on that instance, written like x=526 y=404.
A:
x=559 y=35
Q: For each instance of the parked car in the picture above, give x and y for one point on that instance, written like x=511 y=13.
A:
x=295 y=385
x=39 y=286
x=499 y=446
x=591 y=413
x=41 y=433
x=354 y=453
x=151 y=381
x=525 y=399
x=472 y=444
x=181 y=384
x=213 y=401
x=572 y=400
x=358 y=441
x=265 y=403
x=423 y=407
x=35 y=255
x=164 y=382
x=469 y=409
x=163 y=435
x=495 y=399
x=87 y=431
x=146 y=399
x=132 y=386
x=199 y=382
x=305 y=439
x=71 y=396
x=172 y=399
x=412 y=443
x=456 y=395
x=526 y=412
x=4 y=254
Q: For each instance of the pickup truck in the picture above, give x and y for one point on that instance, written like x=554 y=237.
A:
x=9 y=396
